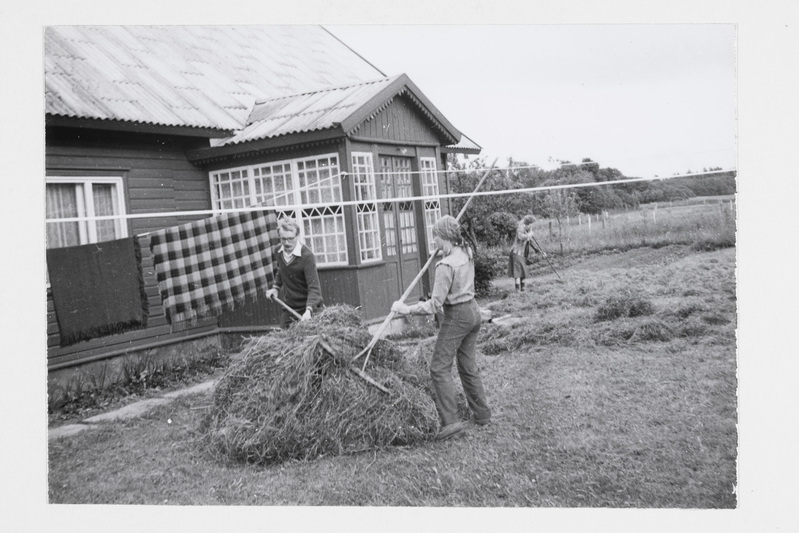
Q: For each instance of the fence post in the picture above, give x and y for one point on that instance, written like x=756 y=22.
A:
x=589 y=223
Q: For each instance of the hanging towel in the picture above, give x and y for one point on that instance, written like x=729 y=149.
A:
x=208 y=266
x=98 y=289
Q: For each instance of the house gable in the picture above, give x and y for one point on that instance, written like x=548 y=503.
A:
x=389 y=110
x=400 y=121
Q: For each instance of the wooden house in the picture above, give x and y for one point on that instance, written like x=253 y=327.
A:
x=144 y=122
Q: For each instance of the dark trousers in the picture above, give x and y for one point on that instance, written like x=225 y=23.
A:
x=457 y=340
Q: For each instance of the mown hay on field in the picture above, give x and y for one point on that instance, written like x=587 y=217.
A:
x=293 y=395
x=496 y=339
x=624 y=305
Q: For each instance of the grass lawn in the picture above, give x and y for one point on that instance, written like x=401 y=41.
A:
x=630 y=412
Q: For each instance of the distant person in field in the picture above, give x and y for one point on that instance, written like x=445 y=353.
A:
x=453 y=292
x=519 y=257
x=296 y=279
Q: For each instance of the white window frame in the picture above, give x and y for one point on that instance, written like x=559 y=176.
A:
x=366 y=214
x=244 y=200
x=332 y=249
x=432 y=207
x=87 y=229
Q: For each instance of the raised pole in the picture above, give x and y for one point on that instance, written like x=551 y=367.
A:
x=368 y=350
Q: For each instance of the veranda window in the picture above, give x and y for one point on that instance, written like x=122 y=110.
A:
x=300 y=185
x=84 y=197
x=366 y=210
x=432 y=206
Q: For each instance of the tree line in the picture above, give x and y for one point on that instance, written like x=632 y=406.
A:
x=494 y=217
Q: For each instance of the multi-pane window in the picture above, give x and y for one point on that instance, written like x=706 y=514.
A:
x=391 y=235
x=300 y=185
x=407 y=228
x=366 y=210
x=316 y=183
x=432 y=206
x=84 y=197
x=273 y=182
x=233 y=189
x=324 y=230
x=398 y=217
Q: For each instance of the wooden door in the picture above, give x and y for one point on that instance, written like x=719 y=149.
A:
x=399 y=226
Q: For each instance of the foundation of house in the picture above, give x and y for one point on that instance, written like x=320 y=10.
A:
x=97 y=375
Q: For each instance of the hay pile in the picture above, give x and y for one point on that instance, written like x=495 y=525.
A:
x=292 y=395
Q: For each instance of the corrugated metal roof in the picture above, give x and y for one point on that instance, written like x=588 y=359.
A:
x=465 y=145
x=196 y=76
x=305 y=112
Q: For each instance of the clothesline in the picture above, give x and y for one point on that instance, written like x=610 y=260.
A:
x=375 y=201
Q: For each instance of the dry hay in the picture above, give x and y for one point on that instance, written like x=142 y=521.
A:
x=652 y=330
x=623 y=305
x=496 y=339
x=293 y=395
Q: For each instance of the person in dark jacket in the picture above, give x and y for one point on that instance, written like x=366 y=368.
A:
x=296 y=278
x=519 y=257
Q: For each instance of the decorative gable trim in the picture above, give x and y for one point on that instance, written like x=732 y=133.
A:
x=402 y=85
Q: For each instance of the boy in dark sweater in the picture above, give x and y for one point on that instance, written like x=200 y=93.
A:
x=296 y=278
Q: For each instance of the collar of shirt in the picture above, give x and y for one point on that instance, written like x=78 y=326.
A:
x=296 y=251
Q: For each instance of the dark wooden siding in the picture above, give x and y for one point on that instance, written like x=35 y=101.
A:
x=399 y=121
x=374 y=291
x=339 y=286
x=255 y=314
x=156 y=178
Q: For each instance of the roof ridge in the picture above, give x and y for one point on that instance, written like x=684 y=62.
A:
x=326 y=89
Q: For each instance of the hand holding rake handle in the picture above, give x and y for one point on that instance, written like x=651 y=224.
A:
x=390 y=317
x=287 y=308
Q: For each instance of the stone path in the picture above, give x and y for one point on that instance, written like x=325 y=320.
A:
x=129 y=411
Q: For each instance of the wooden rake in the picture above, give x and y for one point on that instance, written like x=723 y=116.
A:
x=285 y=306
x=368 y=350
x=547 y=258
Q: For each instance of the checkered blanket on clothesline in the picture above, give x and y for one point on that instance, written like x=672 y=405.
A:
x=211 y=265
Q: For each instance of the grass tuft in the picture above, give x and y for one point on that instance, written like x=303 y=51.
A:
x=652 y=330
x=625 y=305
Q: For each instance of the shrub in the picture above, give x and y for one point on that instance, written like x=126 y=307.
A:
x=500 y=227
x=488 y=264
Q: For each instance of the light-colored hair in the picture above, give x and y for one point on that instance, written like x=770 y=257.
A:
x=288 y=224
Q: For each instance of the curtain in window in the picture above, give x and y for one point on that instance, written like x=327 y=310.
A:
x=105 y=204
x=62 y=202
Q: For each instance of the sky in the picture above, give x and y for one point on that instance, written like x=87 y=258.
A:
x=647 y=99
